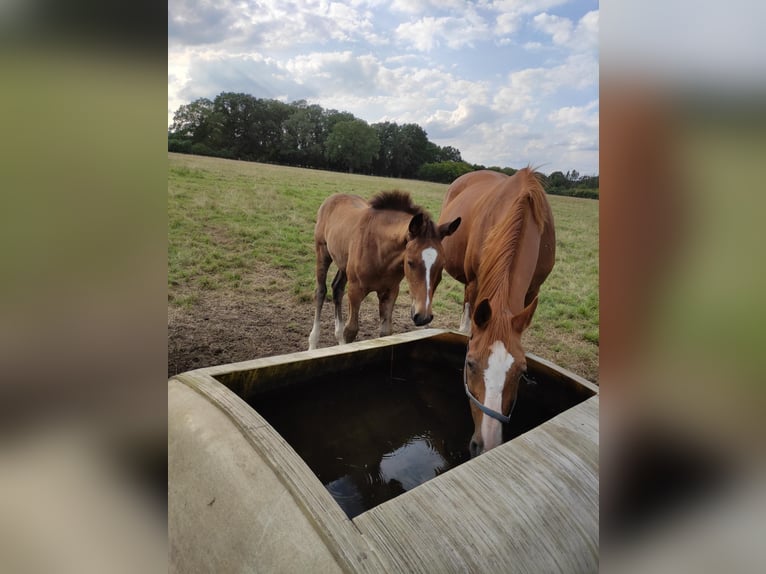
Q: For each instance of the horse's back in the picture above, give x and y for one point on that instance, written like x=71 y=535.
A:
x=481 y=199
x=337 y=219
x=338 y=211
x=472 y=179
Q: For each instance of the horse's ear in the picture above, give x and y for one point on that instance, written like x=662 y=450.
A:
x=416 y=226
x=521 y=321
x=446 y=229
x=482 y=314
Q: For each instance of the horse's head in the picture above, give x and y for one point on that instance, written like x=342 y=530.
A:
x=423 y=263
x=494 y=364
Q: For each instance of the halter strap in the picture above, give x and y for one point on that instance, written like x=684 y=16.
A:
x=486 y=410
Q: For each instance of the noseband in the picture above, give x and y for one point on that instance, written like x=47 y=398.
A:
x=486 y=410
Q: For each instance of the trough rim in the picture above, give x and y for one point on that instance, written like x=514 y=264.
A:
x=352 y=548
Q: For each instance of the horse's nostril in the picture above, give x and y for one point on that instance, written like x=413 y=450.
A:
x=421 y=320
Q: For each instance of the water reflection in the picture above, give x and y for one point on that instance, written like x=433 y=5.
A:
x=368 y=437
x=347 y=495
x=412 y=464
x=398 y=471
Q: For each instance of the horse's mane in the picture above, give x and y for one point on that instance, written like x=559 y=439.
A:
x=401 y=201
x=501 y=243
x=395 y=200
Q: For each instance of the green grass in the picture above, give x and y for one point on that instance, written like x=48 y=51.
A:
x=235 y=225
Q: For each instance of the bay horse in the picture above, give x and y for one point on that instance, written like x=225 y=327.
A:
x=503 y=251
x=374 y=245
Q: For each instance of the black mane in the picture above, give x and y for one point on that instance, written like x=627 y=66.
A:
x=401 y=201
x=395 y=200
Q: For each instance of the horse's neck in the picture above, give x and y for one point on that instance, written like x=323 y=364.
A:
x=385 y=235
x=508 y=289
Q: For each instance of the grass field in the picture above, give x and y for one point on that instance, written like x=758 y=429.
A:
x=237 y=227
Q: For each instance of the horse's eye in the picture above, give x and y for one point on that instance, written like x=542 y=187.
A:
x=471 y=364
x=411 y=264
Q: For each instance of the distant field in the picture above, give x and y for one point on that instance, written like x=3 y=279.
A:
x=240 y=243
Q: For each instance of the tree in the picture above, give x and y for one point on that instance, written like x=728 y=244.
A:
x=352 y=144
x=303 y=136
x=333 y=117
x=573 y=176
x=192 y=120
x=558 y=180
x=388 y=135
x=234 y=115
x=241 y=126
x=449 y=153
x=412 y=151
x=267 y=129
x=444 y=171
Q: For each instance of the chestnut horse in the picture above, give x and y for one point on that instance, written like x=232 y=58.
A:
x=374 y=245
x=502 y=253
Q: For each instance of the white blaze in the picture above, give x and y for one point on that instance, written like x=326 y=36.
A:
x=500 y=361
x=429 y=257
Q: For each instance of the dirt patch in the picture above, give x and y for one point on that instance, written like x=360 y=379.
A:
x=227 y=327
x=263 y=318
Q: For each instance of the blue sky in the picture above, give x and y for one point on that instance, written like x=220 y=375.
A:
x=507 y=82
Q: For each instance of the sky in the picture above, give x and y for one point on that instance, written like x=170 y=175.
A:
x=509 y=83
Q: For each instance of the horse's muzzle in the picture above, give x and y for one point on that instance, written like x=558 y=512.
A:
x=475 y=448
x=421 y=320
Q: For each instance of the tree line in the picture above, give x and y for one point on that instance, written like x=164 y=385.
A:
x=241 y=126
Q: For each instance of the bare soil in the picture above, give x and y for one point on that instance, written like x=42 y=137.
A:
x=227 y=327
x=262 y=318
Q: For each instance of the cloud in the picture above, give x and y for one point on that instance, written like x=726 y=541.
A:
x=581 y=37
x=522 y=6
x=214 y=72
x=586 y=116
x=431 y=32
x=586 y=33
x=560 y=29
x=421 y=6
x=336 y=72
x=445 y=123
x=507 y=23
x=429 y=62
x=268 y=24
x=193 y=22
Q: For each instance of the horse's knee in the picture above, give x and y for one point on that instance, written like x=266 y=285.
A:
x=320 y=293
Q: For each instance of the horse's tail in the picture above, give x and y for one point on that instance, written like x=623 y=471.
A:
x=532 y=187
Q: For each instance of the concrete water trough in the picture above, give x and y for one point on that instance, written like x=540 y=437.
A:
x=354 y=458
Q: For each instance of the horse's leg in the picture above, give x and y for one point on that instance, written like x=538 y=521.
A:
x=533 y=291
x=355 y=296
x=338 y=287
x=468 y=295
x=386 y=300
x=322 y=264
